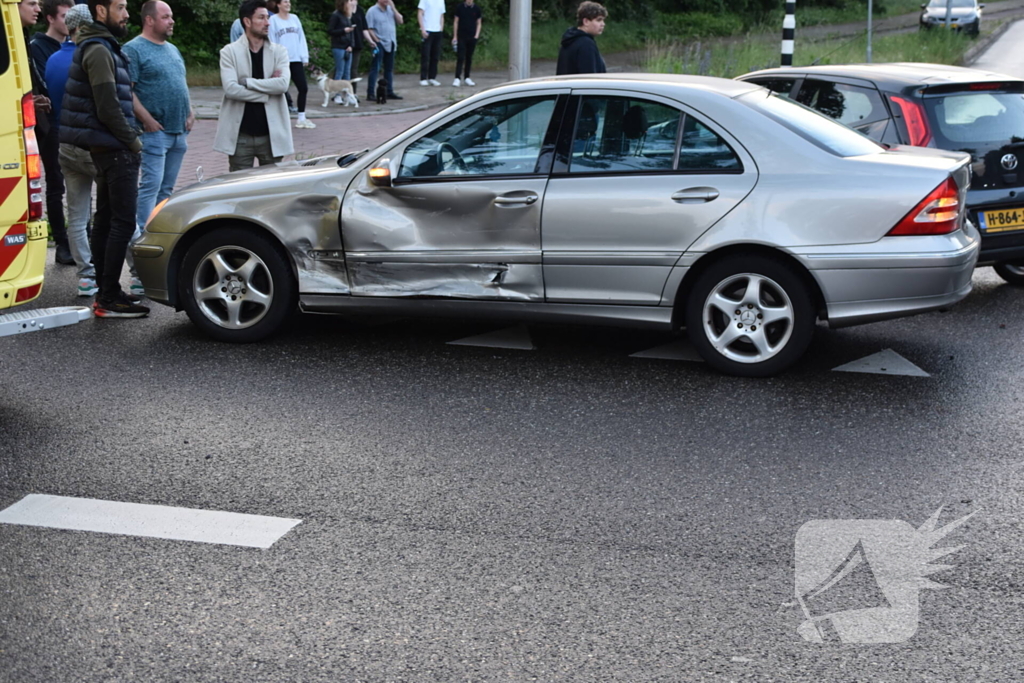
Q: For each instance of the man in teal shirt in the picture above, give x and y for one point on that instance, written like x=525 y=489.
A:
x=162 y=104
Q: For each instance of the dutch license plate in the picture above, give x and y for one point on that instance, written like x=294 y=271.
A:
x=1002 y=221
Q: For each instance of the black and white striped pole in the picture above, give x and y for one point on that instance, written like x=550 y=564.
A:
x=788 y=33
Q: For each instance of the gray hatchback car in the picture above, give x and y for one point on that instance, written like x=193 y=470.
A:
x=637 y=200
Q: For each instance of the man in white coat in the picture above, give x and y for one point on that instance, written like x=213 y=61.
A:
x=254 y=121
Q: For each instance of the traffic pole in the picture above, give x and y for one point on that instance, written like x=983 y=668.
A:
x=519 y=39
x=788 y=33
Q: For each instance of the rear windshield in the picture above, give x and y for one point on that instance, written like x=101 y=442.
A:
x=816 y=128
x=977 y=118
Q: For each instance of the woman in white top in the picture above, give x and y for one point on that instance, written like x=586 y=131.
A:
x=286 y=29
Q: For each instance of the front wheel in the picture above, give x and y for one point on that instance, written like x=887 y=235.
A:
x=750 y=316
x=237 y=286
x=1011 y=271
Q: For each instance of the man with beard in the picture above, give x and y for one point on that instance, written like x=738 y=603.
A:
x=163 y=107
x=98 y=115
x=253 y=122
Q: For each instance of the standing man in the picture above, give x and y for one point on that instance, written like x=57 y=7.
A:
x=381 y=21
x=75 y=163
x=162 y=105
x=468 y=22
x=254 y=122
x=579 y=53
x=41 y=46
x=98 y=114
x=163 y=108
x=431 y=18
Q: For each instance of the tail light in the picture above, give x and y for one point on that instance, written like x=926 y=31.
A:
x=917 y=124
x=33 y=162
x=936 y=214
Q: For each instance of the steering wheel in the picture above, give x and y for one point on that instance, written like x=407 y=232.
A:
x=454 y=163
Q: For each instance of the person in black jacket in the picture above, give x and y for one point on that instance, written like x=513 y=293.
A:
x=358 y=37
x=579 y=53
x=340 y=29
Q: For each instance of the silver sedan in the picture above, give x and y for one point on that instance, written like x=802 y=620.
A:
x=637 y=200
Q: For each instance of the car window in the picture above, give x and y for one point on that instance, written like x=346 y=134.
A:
x=623 y=135
x=782 y=86
x=971 y=118
x=502 y=138
x=703 y=150
x=956 y=3
x=821 y=130
x=849 y=104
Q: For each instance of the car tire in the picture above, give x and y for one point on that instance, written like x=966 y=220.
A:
x=237 y=285
x=1011 y=271
x=734 y=297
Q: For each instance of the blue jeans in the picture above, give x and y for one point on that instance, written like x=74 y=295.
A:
x=342 y=64
x=388 y=60
x=162 y=154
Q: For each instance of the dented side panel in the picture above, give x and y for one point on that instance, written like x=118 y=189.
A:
x=445 y=239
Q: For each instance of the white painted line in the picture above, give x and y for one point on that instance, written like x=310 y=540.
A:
x=680 y=349
x=152 y=521
x=509 y=338
x=885 y=362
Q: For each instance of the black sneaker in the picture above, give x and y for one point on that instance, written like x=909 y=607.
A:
x=395 y=96
x=120 y=307
x=131 y=297
x=63 y=256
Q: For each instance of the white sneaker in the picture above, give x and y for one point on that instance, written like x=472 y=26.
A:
x=338 y=100
x=469 y=81
x=134 y=286
x=305 y=124
x=456 y=83
x=434 y=81
x=424 y=82
x=87 y=287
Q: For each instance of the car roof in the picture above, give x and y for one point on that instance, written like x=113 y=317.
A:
x=896 y=74
x=722 y=86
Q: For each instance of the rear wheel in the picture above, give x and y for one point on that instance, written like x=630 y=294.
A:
x=750 y=316
x=237 y=286
x=1011 y=271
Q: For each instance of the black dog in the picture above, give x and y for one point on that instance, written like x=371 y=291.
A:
x=382 y=91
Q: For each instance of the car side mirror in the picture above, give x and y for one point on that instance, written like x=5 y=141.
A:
x=380 y=174
x=981 y=5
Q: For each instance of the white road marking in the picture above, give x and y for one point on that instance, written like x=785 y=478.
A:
x=509 y=338
x=680 y=349
x=153 y=521
x=885 y=362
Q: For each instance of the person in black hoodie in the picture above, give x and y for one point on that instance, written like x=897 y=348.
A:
x=579 y=53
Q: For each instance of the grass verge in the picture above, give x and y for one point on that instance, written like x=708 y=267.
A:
x=728 y=58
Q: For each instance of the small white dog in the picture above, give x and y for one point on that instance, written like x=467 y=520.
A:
x=341 y=89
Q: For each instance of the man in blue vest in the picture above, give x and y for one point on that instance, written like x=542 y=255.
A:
x=98 y=115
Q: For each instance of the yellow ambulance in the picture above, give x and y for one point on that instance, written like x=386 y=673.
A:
x=22 y=233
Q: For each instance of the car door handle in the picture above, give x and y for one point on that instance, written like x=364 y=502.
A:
x=695 y=195
x=516 y=200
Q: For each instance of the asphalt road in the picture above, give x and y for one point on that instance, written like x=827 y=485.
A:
x=469 y=514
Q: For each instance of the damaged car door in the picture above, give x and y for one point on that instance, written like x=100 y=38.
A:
x=461 y=216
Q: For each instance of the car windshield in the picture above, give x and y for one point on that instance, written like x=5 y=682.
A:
x=976 y=119
x=956 y=3
x=817 y=128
